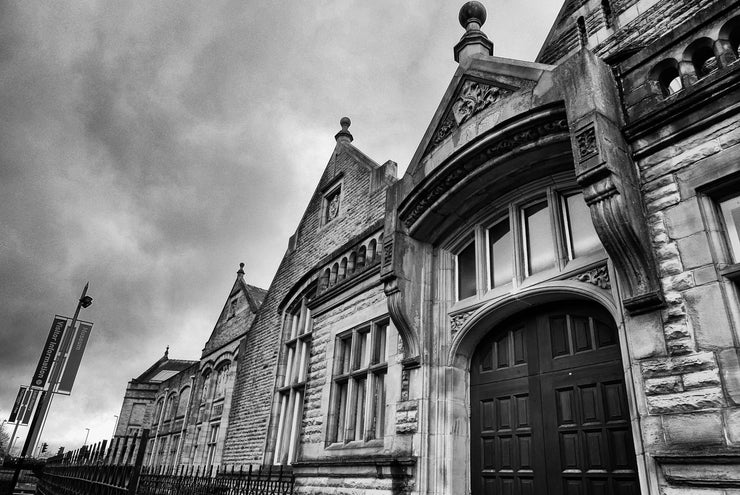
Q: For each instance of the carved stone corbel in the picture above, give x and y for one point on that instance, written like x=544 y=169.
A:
x=607 y=175
x=392 y=272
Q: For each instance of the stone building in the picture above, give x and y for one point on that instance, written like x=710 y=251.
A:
x=546 y=301
x=185 y=404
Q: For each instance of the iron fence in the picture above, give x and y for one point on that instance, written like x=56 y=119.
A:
x=189 y=480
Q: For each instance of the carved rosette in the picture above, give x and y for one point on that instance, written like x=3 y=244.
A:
x=586 y=141
x=598 y=276
x=458 y=321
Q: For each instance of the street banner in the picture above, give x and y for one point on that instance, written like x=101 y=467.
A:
x=75 y=358
x=47 y=355
x=29 y=407
x=17 y=404
x=62 y=357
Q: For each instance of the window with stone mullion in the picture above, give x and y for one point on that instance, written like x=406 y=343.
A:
x=297 y=347
x=359 y=384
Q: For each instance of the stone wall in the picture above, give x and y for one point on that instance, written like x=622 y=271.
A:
x=362 y=205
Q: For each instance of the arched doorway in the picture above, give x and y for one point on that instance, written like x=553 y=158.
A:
x=549 y=411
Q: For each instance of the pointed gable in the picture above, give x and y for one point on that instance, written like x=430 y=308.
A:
x=237 y=314
x=489 y=88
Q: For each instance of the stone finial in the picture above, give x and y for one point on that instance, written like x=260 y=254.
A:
x=241 y=269
x=344 y=135
x=474 y=41
x=167 y=352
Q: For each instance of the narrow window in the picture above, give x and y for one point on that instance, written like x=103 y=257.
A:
x=730 y=209
x=297 y=331
x=537 y=238
x=212 y=441
x=501 y=253
x=606 y=8
x=581 y=238
x=582 y=34
x=465 y=268
x=358 y=400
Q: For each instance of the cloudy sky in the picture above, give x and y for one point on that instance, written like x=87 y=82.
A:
x=149 y=147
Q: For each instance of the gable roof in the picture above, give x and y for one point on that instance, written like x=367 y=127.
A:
x=164 y=368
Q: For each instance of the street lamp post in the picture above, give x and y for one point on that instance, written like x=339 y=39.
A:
x=39 y=417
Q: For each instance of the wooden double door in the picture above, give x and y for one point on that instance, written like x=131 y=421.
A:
x=549 y=411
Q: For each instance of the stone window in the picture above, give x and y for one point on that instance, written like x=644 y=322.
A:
x=206 y=390
x=222 y=377
x=173 y=449
x=171 y=408
x=667 y=76
x=297 y=329
x=730 y=211
x=330 y=209
x=537 y=235
x=212 y=441
x=182 y=406
x=358 y=397
x=158 y=411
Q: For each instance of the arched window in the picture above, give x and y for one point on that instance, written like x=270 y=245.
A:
x=351 y=263
x=158 y=410
x=729 y=38
x=361 y=257
x=701 y=55
x=206 y=390
x=334 y=273
x=324 y=282
x=371 y=249
x=221 y=380
x=342 y=269
x=667 y=76
x=182 y=405
x=171 y=408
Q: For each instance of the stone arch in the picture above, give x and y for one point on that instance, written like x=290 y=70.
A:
x=477 y=326
x=700 y=54
x=668 y=77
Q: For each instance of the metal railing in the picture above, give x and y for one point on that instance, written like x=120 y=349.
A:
x=119 y=470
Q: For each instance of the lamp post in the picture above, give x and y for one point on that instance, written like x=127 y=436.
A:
x=39 y=417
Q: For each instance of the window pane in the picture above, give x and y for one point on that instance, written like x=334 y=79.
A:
x=466 y=272
x=359 y=419
x=343 y=355
x=341 y=411
x=579 y=227
x=378 y=406
x=379 y=345
x=731 y=215
x=362 y=350
x=538 y=238
x=501 y=253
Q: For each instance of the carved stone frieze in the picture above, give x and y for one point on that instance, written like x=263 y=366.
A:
x=498 y=147
x=387 y=252
x=598 y=276
x=458 y=321
x=444 y=130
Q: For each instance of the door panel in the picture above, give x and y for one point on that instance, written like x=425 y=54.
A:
x=548 y=407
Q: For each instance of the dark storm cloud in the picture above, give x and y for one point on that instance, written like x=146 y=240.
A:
x=149 y=147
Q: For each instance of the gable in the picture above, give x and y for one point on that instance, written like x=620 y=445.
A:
x=478 y=87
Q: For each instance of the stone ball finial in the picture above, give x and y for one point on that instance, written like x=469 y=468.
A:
x=472 y=12
x=241 y=269
x=344 y=134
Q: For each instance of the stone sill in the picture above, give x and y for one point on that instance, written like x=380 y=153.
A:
x=731 y=271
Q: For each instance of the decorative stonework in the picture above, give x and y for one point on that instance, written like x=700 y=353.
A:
x=598 y=276
x=587 y=147
x=387 y=251
x=474 y=97
x=458 y=321
x=504 y=144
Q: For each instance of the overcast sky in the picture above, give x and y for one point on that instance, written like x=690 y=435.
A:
x=151 y=146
